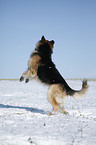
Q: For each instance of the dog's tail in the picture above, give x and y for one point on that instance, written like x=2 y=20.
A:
x=77 y=94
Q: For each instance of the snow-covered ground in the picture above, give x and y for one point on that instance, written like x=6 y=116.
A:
x=24 y=120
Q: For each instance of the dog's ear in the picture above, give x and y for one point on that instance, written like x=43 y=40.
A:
x=52 y=42
x=43 y=39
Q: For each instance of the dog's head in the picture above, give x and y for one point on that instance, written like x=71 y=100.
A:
x=44 y=48
x=43 y=42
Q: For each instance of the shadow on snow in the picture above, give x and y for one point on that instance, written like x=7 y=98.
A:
x=33 y=110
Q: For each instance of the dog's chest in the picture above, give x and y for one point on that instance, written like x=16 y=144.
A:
x=33 y=62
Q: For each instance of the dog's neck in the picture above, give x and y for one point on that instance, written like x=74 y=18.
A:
x=36 y=52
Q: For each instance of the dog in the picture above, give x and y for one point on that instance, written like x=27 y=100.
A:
x=40 y=66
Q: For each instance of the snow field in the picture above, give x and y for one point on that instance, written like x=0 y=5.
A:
x=24 y=120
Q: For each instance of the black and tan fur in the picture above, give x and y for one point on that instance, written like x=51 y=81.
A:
x=40 y=66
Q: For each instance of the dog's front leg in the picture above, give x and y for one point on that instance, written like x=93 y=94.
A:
x=27 y=74
x=23 y=76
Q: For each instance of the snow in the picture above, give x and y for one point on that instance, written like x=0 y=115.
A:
x=24 y=120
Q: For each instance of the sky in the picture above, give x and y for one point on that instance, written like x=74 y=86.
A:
x=70 y=23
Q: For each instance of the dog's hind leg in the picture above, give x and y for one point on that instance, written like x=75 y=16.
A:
x=57 y=97
x=52 y=100
x=62 y=109
x=54 y=104
x=61 y=101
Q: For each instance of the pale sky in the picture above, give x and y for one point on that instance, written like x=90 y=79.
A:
x=70 y=23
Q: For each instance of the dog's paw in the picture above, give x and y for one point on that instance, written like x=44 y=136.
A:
x=66 y=113
x=27 y=80
x=51 y=113
x=21 y=79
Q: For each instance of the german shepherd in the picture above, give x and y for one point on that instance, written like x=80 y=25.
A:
x=40 y=66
